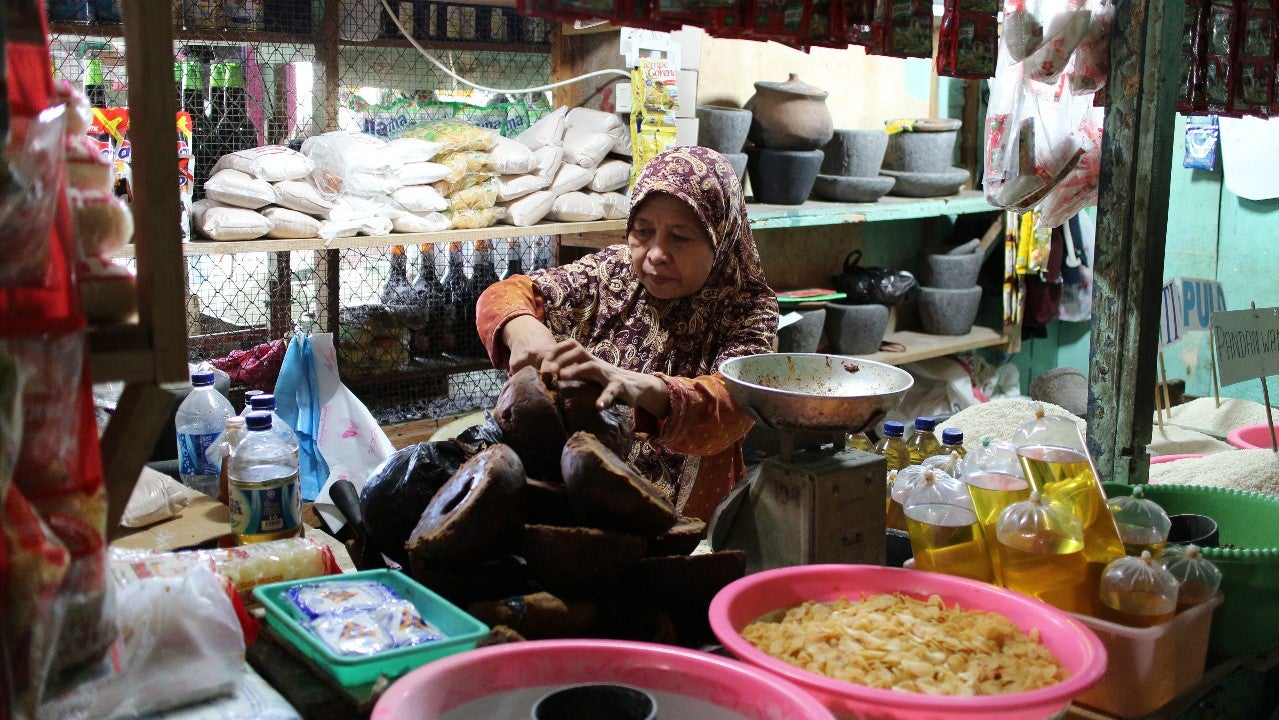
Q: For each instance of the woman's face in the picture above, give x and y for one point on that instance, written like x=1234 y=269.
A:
x=671 y=251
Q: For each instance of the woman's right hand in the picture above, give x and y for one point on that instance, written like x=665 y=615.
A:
x=529 y=341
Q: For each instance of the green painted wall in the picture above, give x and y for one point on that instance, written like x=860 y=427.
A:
x=1212 y=233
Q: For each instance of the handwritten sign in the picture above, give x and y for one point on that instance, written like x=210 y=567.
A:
x=1246 y=343
x=1199 y=300
x=1169 y=316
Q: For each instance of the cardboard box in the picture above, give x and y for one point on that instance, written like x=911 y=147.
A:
x=686 y=82
x=689 y=39
x=200 y=523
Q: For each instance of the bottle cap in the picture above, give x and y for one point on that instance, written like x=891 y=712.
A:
x=258 y=420
x=263 y=402
x=201 y=379
x=925 y=424
x=892 y=428
x=952 y=436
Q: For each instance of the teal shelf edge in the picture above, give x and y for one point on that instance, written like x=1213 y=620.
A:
x=815 y=212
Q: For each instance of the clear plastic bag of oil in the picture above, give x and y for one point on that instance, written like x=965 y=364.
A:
x=1199 y=578
x=1041 y=553
x=944 y=533
x=1137 y=592
x=995 y=480
x=1142 y=523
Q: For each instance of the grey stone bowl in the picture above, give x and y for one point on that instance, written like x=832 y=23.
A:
x=837 y=188
x=1066 y=387
x=953 y=271
x=738 y=161
x=921 y=152
x=782 y=177
x=855 y=329
x=723 y=129
x=803 y=335
x=948 y=311
x=855 y=153
x=927 y=185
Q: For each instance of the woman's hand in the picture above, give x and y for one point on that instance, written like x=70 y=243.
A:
x=571 y=361
x=529 y=341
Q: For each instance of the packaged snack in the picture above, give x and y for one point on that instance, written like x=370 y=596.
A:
x=316 y=599
x=405 y=626
x=352 y=633
x=655 y=101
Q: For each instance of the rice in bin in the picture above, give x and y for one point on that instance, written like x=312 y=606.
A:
x=1254 y=470
x=1204 y=413
x=1176 y=440
x=1000 y=419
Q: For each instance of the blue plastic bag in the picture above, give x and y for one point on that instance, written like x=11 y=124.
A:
x=296 y=402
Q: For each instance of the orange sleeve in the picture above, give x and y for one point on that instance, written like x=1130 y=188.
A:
x=704 y=419
x=500 y=302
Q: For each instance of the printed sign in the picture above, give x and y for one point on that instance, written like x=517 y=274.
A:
x=1246 y=343
x=1169 y=315
x=1199 y=300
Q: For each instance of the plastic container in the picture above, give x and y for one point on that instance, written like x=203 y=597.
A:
x=1251 y=437
x=952 y=440
x=356 y=673
x=1199 y=578
x=1074 y=645
x=1248 y=558
x=923 y=442
x=1149 y=666
x=265 y=402
x=263 y=487
x=199 y=421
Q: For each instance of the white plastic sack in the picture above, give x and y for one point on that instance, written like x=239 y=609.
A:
x=616 y=205
x=530 y=209
x=155 y=497
x=594 y=121
x=549 y=160
x=569 y=178
x=290 y=224
x=611 y=175
x=509 y=157
x=420 y=198
x=422 y=173
x=510 y=187
x=349 y=438
x=272 y=163
x=301 y=196
x=413 y=150
x=429 y=222
x=548 y=130
x=586 y=147
x=233 y=187
x=223 y=222
x=575 y=207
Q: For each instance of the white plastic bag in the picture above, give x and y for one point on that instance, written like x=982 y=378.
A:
x=349 y=437
x=155 y=497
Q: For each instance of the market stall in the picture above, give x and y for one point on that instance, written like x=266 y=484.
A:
x=471 y=567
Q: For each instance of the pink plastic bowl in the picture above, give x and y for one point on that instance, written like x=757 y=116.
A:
x=1074 y=645
x=1158 y=459
x=1251 y=437
x=453 y=681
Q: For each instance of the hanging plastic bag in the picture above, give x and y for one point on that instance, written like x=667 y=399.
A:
x=347 y=435
x=296 y=393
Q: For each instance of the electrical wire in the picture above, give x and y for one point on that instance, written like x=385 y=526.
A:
x=446 y=70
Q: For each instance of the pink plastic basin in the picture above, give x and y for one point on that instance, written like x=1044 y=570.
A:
x=1076 y=647
x=1251 y=437
x=1158 y=459
x=454 y=681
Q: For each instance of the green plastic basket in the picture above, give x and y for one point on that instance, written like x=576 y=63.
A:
x=357 y=671
x=1248 y=557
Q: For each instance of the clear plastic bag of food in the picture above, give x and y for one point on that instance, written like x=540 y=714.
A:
x=476 y=197
x=1143 y=524
x=1137 y=591
x=455 y=135
x=34 y=159
x=469 y=219
x=1199 y=577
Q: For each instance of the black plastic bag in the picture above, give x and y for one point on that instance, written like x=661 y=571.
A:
x=479 y=437
x=873 y=285
x=399 y=489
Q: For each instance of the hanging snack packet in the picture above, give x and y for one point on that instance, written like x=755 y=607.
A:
x=1218 y=71
x=1023 y=33
x=713 y=15
x=968 y=40
x=1254 y=83
x=909 y=31
x=1201 y=143
x=781 y=21
x=1090 y=65
x=1189 y=95
x=653 y=117
x=1065 y=31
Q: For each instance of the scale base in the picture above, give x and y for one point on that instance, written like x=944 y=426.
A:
x=820 y=506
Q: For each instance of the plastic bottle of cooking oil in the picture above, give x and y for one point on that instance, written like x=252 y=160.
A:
x=858 y=441
x=1041 y=553
x=995 y=481
x=1138 y=592
x=893 y=448
x=923 y=443
x=1143 y=525
x=952 y=440
x=1056 y=462
x=944 y=533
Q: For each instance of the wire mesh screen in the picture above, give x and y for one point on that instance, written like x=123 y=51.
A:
x=254 y=72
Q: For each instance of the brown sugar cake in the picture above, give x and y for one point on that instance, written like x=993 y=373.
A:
x=608 y=493
x=680 y=539
x=502 y=576
x=577 y=562
x=683 y=585
x=546 y=503
x=537 y=616
x=527 y=413
x=477 y=514
x=614 y=426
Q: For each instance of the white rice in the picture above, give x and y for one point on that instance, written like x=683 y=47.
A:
x=1255 y=470
x=1175 y=440
x=1203 y=413
x=1000 y=419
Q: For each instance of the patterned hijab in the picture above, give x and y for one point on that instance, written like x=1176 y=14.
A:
x=599 y=301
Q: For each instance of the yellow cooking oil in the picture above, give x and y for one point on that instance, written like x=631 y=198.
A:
x=1141 y=537
x=947 y=538
x=894 y=516
x=991 y=493
x=923 y=442
x=1136 y=608
x=1055 y=576
x=1067 y=476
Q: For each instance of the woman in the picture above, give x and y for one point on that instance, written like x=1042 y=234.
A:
x=651 y=322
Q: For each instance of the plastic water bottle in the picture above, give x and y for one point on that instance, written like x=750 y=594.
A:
x=264 y=489
x=265 y=402
x=220 y=453
x=200 y=419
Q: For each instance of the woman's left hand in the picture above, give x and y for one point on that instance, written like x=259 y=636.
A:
x=571 y=361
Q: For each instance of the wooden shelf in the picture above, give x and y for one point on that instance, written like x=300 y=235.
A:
x=212 y=36
x=209 y=247
x=817 y=212
x=453 y=45
x=921 y=346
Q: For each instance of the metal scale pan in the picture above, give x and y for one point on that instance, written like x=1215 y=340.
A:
x=809 y=506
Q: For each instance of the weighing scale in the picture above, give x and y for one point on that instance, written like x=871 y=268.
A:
x=821 y=505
